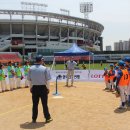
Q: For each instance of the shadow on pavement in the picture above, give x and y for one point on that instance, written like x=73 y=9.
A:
x=30 y=125
x=119 y=111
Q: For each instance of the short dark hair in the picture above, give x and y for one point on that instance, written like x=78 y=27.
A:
x=26 y=62
x=9 y=62
x=1 y=66
x=38 y=58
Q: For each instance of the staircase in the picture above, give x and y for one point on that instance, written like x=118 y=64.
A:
x=4 y=45
x=5 y=37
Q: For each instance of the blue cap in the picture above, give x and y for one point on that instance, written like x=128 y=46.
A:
x=121 y=63
x=38 y=58
x=127 y=59
x=117 y=67
x=111 y=65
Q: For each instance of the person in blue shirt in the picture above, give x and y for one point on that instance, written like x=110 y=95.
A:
x=117 y=69
x=39 y=77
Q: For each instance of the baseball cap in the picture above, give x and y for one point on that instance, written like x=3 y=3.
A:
x=121 y=63
x=127 y=59
x=111 y=65
x=117 y=67
x=38 y=58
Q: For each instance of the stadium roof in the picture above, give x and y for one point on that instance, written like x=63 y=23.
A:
x=90 y=24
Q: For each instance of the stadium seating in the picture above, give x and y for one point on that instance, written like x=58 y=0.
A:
x=6 y=57
x=16 y=42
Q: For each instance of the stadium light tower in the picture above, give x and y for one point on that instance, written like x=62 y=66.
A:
x=33 y=6
x=86 y=8
x=65 y=12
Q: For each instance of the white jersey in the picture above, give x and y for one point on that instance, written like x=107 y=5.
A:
x=71 y=65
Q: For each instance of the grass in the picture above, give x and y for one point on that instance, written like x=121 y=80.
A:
x=95 y=66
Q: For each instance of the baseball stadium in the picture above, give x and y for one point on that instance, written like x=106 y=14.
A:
x=46 y=32
x=89 y=103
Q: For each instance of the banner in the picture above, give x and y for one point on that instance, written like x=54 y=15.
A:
x=96 y=75
x=79 y=75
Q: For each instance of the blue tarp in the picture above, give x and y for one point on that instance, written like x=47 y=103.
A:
x=73 y=51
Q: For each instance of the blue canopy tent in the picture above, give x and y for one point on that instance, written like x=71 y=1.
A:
x=74 y=51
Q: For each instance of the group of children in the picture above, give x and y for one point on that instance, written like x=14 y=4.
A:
x=117 y=80
x=14 y=74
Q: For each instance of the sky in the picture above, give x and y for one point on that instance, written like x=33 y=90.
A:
x=114 y=15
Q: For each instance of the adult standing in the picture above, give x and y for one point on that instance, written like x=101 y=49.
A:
x=70 y=70
x=39 y=77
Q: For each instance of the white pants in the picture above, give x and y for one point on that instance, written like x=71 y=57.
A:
x=70 y=74
x=111 y=83
x=12 y=83
x=5 y=85
x=18 y=80
x=27 y=83
x=2 y=84
x=128 y=90
x=123 y=93
x=107 y=84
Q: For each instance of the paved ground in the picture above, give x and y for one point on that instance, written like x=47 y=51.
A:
x=84 y=107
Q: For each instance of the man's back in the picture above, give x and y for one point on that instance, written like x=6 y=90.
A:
x=39 y=75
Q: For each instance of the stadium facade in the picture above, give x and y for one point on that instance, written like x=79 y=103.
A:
x=45 y=32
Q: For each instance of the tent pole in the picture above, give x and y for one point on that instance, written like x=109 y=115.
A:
x=89 y=62
x=64 y=63
x=53 y=64
x=89 y=67
x=93 y=61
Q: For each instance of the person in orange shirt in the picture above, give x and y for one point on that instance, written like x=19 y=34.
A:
x=112 y=76
x=106 y=78
x=122 y=83
x=127 y=66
